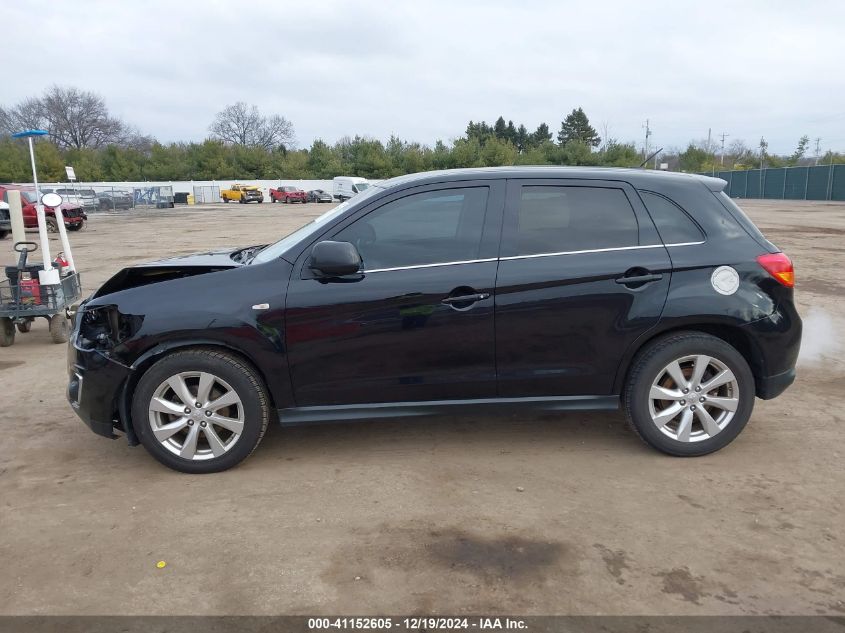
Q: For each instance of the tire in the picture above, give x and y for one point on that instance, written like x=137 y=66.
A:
x=59 y=329
x=272 y=199
x=75 y=227
x=3 y=235
x=696 y=428
x=24 y=326
x=229 y=374
x=226 y=200
x=52 y=225
x=7 y=332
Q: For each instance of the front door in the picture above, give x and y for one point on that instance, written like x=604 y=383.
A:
x=417 y=323
x=582 y=275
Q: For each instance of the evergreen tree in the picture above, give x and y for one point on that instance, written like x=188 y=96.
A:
x=541 y=135
x=576 y=127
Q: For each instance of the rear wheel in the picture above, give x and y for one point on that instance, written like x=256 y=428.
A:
x=52 y=225
x=3 y=234
x=200 y=411
x=226 y=200
x=7 y=332
x=59 y=329
x=24 y=326
x=689 y=394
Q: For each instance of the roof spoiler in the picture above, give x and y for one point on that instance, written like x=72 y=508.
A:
x=714 y=184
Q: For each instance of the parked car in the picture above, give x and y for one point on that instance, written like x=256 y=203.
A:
x=287 y=194
x=474 y=290
x=347 y=186
x=319 y=195
x=73 y=214
x=85 y=198
x=5 y=222
x=242 y=194
x=114 y=200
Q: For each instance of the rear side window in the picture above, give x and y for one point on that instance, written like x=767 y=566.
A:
x=554 y=219
x=673 y=224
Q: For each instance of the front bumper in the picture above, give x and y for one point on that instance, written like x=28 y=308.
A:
x=95 y=385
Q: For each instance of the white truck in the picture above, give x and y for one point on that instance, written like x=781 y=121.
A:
x=347 y=186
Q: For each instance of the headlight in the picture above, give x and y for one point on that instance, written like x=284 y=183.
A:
x=104 y=327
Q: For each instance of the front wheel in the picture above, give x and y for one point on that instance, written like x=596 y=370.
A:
x=689 y=394
x=200 y=411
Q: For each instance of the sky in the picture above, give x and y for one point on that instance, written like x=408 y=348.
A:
x=422 y=70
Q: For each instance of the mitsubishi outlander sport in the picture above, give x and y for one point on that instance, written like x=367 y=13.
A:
x=472 y=290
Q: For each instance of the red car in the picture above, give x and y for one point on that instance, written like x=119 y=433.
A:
x=73 y=215
x=287 y=195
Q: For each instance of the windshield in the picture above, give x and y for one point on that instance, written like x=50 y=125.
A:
x=362 y=185
x=276 y=250
x=29 y=196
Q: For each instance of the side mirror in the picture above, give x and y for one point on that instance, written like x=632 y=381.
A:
x=335 y=259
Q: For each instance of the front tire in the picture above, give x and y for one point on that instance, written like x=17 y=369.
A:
x=225 y=428
x=689 y=394
x=7 y=332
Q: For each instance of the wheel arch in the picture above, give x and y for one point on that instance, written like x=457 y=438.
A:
x=731 y=333
x=157 y=353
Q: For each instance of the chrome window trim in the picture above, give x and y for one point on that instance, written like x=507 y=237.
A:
x=514 y=257
x=465 y=261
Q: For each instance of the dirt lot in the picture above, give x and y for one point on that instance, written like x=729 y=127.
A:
x=426 y=515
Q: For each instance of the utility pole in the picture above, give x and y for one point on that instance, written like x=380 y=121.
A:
x=647 y=134
x=818 y=148
x=763 y=146
x=722 y=160
x=709 y=137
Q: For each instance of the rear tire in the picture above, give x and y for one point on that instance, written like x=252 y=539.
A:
x=7 y=332
x=683 y=417
x=24 y=326
x=52 y=225
x=236 y=429
x=59 y=329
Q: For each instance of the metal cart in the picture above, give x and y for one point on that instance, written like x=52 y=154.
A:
x=23 y=299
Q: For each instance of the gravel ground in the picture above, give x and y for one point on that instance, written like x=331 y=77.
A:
x=551 y=514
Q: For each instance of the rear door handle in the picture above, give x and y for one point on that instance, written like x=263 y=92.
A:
x=639 y=279
x=466 y=298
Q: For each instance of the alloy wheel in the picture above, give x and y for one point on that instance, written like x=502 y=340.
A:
x=196 y=415
x=693 y=398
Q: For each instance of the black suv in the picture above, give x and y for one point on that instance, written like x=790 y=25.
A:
x=466 y=290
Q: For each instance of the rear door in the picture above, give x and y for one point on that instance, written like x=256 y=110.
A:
x=582 y=275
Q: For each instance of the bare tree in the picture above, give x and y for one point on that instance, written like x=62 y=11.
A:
x=27 y=115
x=78 y=118
x=242 y=124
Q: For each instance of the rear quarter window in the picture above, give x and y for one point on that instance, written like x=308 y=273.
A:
x=672 y=222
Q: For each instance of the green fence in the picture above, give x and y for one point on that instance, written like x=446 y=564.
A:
x=822 y=182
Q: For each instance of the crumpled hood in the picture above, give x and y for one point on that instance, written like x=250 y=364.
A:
x=168 y=269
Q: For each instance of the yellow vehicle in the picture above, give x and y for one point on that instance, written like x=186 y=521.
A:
x=242 y=194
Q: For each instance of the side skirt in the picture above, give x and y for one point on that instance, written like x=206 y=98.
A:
x=309 y=415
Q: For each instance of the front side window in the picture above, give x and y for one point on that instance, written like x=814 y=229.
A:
x=426 y=228
x=552 y=219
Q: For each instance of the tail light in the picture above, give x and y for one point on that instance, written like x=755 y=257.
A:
x=779 y=266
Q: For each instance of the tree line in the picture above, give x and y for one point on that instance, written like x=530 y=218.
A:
x=244 y=143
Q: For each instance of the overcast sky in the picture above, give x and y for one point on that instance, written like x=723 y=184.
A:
x=422 y=69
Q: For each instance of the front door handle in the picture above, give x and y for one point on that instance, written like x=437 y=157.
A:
x=480 y=296
x=639 y=279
